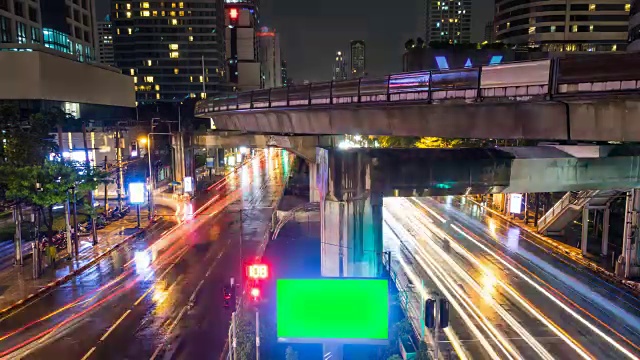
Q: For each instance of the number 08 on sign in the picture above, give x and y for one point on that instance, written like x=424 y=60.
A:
x=257 y=271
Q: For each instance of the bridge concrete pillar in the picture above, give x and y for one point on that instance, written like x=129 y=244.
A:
x=351 y=215
x=314 y=192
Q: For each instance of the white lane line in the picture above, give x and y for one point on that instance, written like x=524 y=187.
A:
x=192 y=299
x=86 y=356
x=114 y=325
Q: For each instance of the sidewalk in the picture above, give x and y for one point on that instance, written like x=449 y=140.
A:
x=573 y=253
x=18 y=286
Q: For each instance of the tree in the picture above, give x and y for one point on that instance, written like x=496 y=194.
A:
x=420 y=43
x=436 y=142
x=409 y=44
x=423 y=351
x=290 y=354
x=397 y=141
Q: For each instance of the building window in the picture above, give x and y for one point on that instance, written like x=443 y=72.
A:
x=627 y=8
x=174 y=55
x=181 y=5
x=4 y=5
x=173 y=46
x=128 y=14
x=592 y=7
x=144 y=5
x=18 y=8
x=553 y=28
x=5 y=30
x=176 y=71
x=574 y=28
x=157 y=87
x=21 y=32
x=590 y=28
x=35 y=35
x=132 y=71
x=154 y=13
x=33 y=14
x=148 y=79
x=130 y=31
x=128 y=6
x=174 y=22
x=190 y=38
x=145 y=13
x=56 y=40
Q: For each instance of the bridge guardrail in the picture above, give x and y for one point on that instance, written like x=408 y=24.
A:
x=547 y=78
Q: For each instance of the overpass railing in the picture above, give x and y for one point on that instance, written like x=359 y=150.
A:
x=577 y=74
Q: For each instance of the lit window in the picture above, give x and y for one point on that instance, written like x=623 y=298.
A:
x=135 y=79
x=144 y=5
x=592 y=7
x=614 y=47
x=158 y=96
x=128 y=6
x=154 y=13
x=590 y=28
x=163 y=13
x=174 y=22
x=532 y=30
x=574 y=28
x=130 y=31
x=173 y=5
x=172 y=13
x=190 y=38
x=128 y=14
x=176 y=71
x=181 y=13
x=192 y=95
x=201 y=80
x=173 y=46
x=118 y=31
x=553 y=28
x=148 y=62
x=148 y=79
x=191 y=78
x=181 y=5
x=145 y=13
x=508 y=25
x=132 y=72
x=203 y=95
x=174 y=55
x=157 y=87
x=117 y=6
x=627 y=7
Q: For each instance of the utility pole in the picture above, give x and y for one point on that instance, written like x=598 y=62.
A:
x=234 y=343
x=257 y=334
x=75 y=221
x=106 y=184
x=94 y=232
x=18 y=239
x=119 y=175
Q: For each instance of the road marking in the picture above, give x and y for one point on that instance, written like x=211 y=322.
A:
x=195 y=292
x=114 y=325
x=155 y=353
x=86 y=356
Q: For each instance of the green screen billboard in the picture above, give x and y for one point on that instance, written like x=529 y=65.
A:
x=351 y=311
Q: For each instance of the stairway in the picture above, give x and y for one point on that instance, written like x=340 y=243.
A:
x=569 y=208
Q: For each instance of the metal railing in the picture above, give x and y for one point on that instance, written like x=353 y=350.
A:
x=576 y=199
x=520 y=81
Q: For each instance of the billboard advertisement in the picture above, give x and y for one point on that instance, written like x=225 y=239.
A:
x=515 y=203
x=136 y=193
x=343 y=310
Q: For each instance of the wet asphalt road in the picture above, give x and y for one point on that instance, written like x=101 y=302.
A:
x=510 y=297
x=161 y=294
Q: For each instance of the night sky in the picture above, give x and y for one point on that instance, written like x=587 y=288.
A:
x=311 y=31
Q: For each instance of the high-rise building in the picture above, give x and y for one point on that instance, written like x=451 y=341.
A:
x=241 y=25
x=70 y=26
x=339 y=67
x=20 y=22
x=573 y=25
x=489 y=32
x=173 y=49
x=449 y=21
x=358 y=59
x=269 y=45
x=634 y=26
x=284 y=73
x=105 y=41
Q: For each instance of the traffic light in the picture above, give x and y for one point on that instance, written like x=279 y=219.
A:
x=234 y=14
x=134 y=149
x=430 y=313
x=257 y=271
x=255 y=293
x=444 y=313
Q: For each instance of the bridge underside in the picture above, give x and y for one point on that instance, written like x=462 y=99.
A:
x=586 y=120
x=433 y=172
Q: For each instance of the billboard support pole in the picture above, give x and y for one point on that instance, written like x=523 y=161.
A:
x=234 y=334
x=138 y=212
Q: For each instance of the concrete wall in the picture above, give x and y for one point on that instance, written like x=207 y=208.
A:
x=589 y=120
x=41 y=75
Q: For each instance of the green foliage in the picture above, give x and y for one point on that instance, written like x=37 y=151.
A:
x=423 y=352
x=290 y=354
x=397 y=141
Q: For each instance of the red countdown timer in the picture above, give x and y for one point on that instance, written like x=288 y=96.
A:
x=257 y=271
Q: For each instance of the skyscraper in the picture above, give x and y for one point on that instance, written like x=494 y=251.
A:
x=600 y=25
x=105 y=41
x=339 y=67
x=63 y=25
x=358 y=59
x=173 y=49
x=269 y=45
x=284 y=73
x=489 y=32
x=449 y=21
x=241 y=53
x=73 y=22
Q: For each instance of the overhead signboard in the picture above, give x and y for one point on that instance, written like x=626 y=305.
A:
x=136 y=193
x=342 y=310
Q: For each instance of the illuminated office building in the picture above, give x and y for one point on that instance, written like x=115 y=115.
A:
x=174 y=50
x=449 y=21
x=358 y=59
x=339 y=67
